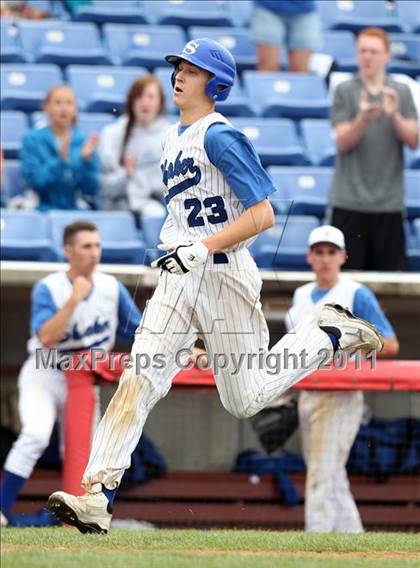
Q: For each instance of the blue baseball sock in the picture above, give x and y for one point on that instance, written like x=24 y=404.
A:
x=110 y=494
x=334 y=340
x=10 y=487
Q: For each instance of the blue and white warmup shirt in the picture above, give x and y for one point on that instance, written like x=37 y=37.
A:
x=212 y=174
x=359 y=299
x=107 y=312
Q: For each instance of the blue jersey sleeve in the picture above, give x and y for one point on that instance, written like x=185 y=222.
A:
x=230 y=151
x=129 y=315
x=366 y=306
x=43 y=307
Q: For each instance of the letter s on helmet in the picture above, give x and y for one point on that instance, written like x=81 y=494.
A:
x=212 y=56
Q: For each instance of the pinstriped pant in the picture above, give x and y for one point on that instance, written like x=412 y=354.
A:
x=220 y=304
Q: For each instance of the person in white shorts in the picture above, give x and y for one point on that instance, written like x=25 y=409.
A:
x=330 y=420
x=216 y=194
x=72 y=311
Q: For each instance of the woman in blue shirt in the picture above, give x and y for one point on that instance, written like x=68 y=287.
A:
x=58 y=162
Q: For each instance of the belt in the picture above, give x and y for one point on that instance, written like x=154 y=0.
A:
x=220 y=258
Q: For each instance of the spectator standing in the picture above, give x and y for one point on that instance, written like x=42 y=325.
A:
x=373 y=117
x=329 y=421
x=71 y=311
x=58 y=162
x=293 y=24
x=130 y=151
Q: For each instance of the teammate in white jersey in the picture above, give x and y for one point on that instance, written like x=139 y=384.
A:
x=71 y=311
x=216 y=194
x=330 y=420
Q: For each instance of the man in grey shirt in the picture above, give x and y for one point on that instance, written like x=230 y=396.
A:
x=373 y=116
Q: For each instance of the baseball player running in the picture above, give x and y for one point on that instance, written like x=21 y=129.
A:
x=216 y=195
x=71 y=311
x=329 y=421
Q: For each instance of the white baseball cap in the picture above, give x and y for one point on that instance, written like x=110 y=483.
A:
x=327 y=234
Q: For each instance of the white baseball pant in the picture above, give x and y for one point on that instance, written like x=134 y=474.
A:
x=221 y=305
x=329 y=422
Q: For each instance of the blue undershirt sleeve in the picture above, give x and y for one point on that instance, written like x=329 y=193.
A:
x=129 y=315
x=43 y=307
x=366 y=306
x=230 y=151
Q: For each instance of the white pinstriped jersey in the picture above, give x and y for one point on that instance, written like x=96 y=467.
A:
x=200 y=201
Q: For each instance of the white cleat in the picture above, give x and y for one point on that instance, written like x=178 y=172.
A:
x=352 y=333
x=89 y=513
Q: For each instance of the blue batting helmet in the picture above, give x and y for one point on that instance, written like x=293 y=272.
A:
x=212 y=56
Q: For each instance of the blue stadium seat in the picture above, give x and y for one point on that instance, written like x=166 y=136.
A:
x=235 y=39
x=412 y=244
x=290 y=95
x=275 y=140
x=304 y=190
x=25 y=236
x=405 y=50
x=284 y=246
x=318 y=137
x=102 y=89
x=12 y=181
x=143 y=45
x=151 y=226
x=14 y=124
x=191 y=13
x=119 y=238
x=103 y=11
x=412 y=158
x=10 y=48
x=62 y=43
x=412 y=193
x=409 y=13
x=341 y=47
x=23 y=87
x=237 y=104
x=354 y=15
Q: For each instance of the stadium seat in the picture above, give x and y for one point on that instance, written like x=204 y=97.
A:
x=235 y=39
x=290 y=95
x=14 y=124
x=187 y=13
x=318 y=137
x=412 y=244
x=103 y=11
x=304 y=190
x=119 y=238
x=275 y=140
x=62 y=43
x=10 y=48
x=143 y=45
x=284 y=246
x=102 y=89
x=409 y=13
x=412 y=158
x=405 y=50
x=151 y=226
x=237 y=104
x=354 y=15
x=23 y=87
x=25 y=236
x=341 y=47
x=12 y=181
x=412 y=193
